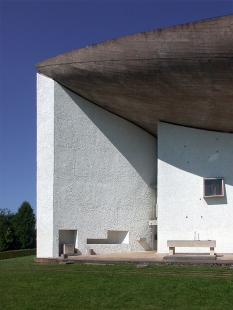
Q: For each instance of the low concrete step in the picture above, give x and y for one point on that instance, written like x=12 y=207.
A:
x=179 y=257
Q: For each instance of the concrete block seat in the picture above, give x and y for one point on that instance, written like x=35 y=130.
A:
x=172 y=244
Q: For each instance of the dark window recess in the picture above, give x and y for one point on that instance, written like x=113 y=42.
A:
x=214 y=187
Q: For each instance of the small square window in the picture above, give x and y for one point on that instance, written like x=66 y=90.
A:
x=213 y=187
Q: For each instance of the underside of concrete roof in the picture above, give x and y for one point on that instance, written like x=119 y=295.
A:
x=181 y=75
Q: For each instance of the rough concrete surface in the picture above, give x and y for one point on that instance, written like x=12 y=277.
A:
x=99 y=177
x=181 y=74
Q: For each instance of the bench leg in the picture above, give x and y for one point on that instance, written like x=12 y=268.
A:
x=171 y=250
x=211 y=250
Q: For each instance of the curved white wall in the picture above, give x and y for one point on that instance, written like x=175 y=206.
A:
x=185 y=157
x=103 y=169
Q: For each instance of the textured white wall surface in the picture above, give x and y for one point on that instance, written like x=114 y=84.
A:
x=94 y=174
x=185 y=157
x=45 y=165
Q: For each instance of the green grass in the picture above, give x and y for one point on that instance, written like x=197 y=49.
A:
x=26 y=285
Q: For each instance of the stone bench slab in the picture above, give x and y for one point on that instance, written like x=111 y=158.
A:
x=172 y=244
x=191 y=243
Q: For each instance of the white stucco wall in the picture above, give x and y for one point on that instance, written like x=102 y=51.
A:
x=185 y=157
x=103 y=169
x=45 y=165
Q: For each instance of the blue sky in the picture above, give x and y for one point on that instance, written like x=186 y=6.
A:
x=31 y=31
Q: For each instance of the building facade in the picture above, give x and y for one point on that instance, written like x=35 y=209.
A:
x=135 y=145
x=94 y=176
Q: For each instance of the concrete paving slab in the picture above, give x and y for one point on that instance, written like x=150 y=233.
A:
x=196 y=257
x=147 y=257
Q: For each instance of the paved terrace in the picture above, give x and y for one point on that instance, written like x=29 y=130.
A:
x=147 y=257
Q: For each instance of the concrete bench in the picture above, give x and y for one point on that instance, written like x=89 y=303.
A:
x=68 y=249
x=172 y=244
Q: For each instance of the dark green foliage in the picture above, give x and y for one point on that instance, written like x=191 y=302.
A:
x=7 y=236
x=24 y=225
x=17 y=231
x=17 y=253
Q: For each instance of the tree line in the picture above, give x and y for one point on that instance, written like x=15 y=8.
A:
x=17 y=230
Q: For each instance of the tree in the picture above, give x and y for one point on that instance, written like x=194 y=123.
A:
x=7 y=236
x=24 y=225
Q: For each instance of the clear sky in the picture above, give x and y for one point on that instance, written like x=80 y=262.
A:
x=31 y=31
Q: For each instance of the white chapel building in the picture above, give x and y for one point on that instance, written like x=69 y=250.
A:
x=135 y=142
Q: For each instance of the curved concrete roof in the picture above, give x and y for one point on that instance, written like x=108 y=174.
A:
x=182 y=75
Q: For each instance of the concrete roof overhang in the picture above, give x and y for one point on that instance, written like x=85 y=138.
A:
x=181 y=75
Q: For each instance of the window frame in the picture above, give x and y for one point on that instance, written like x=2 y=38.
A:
x=222 y=192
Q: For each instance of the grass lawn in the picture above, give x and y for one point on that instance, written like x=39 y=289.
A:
x=26 y=285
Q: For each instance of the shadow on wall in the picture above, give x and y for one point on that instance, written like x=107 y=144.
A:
x=113 y=237
x=67 y=236
x=144 y=244
x=216 y=201
x=204 y=153
x=129 y=139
